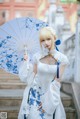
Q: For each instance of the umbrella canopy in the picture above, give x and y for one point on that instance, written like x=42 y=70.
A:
x=16 y=37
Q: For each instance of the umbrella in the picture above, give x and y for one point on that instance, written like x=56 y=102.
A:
x=16 y=37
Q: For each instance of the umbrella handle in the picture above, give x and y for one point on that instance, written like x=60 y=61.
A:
x=27 y=60
x=25 y=52
x=25 y=57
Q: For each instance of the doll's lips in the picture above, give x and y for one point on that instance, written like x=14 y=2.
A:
x=47 y=46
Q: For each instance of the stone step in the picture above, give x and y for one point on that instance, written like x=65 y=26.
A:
x=6 y=80
x=70 y=113
x=10 y=80
x=12 y=85
x=66 y=100
x=13 y=97
x=12 y=112
x=5 y=75
x=66 y=87
x=12 y=102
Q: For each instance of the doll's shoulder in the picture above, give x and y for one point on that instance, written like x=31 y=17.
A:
x=63 y=59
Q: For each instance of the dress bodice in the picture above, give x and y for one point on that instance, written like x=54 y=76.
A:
x=45 y=74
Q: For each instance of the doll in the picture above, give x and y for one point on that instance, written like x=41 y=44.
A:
x=41 y=99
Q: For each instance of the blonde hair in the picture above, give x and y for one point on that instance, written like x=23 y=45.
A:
x=47 y=32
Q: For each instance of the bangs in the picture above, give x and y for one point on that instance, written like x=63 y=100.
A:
x=45 y=35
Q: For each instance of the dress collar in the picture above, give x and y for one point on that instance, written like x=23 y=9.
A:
x=52 y=52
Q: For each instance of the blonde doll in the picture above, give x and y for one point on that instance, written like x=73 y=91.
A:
x=41 y=99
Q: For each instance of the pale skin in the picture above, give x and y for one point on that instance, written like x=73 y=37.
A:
x=48 y=44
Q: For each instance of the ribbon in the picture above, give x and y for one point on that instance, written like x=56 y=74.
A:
x=57 y=42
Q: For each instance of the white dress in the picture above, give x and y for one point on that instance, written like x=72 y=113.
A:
x=43 y=89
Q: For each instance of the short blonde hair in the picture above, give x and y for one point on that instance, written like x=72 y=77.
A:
x=47 y=32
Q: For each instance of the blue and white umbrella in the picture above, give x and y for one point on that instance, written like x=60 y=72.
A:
x=15 y=36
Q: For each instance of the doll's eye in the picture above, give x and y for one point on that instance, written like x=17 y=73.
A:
x=42 y=40
x=48 y=38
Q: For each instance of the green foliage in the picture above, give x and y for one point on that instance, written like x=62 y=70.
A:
x=70 y=1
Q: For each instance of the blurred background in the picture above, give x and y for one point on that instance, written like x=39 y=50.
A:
x=41 y=9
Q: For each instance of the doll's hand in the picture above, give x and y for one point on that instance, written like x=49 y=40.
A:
x=25 y=57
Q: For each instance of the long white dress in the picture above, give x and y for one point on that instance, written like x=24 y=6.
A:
x=43 y=89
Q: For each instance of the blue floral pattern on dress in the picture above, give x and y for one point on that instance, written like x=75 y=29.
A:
x=34 y=96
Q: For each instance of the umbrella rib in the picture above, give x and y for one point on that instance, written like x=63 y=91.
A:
x=8 y=40
x=8 y=33
x=33 y=27
x=12 y=29
x=11 y=53
x=18 y=26
x=8 y=60
x=30 y=29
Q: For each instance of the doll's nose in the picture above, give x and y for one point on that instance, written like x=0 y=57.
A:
x=46 y=42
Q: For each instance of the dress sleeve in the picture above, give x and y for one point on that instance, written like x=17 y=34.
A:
x=51 y=99
x=35 y=58
x=26 y=73
x=63 y=59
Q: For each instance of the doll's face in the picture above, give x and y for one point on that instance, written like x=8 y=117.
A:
x=47 y=43
x=47 y=39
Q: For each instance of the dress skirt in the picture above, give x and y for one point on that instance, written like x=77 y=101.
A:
x=34 y=100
